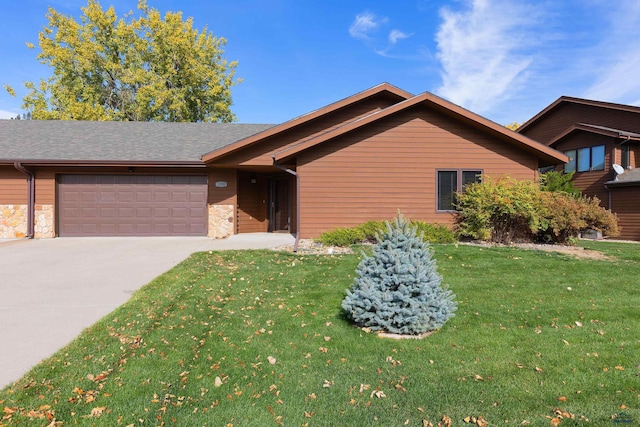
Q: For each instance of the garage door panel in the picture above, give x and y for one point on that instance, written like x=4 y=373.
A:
x=132 y=205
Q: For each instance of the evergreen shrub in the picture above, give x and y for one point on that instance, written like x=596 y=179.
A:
x=367 y=232
x=398 y=289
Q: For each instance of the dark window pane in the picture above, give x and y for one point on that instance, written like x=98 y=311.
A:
x=597 y=158
x=470 y=177
x=626 y=157
x=447 y=187
x=584 y=159
x=570 y=166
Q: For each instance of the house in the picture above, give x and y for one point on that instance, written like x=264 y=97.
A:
x=360 y=158
x=598 y=137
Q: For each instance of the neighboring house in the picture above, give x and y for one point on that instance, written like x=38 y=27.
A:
x=596 y=136
x=361 y=158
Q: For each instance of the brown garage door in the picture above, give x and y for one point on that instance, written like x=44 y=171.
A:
x=132 y=205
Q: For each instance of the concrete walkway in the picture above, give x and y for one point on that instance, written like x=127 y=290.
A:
x=52 y=289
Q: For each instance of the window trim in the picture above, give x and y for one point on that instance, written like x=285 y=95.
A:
x=625 y=156
x=459 y=187
x=573 y=165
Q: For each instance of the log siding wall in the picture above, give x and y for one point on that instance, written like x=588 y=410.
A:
x=371 y=173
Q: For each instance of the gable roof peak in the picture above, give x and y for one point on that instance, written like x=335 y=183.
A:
x=584 y=101
x=400 y=94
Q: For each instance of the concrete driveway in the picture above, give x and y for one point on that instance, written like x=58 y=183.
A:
x=52 y=289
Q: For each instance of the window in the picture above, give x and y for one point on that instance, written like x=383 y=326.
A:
x=585 y=159
x=451 y=182
x=626 y=156
x=570 y=166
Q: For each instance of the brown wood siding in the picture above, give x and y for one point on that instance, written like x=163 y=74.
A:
x=252 y=203
x=391 y=165
x=13 y=186
x=45 y=187
x=568 y=114
x=591 y=183
x=219 y=195
x=260 y=154
x=624 y=202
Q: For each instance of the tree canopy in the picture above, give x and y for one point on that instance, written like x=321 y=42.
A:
x=144 y=68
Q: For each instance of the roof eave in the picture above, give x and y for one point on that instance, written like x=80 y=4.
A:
x=383 y=87
x=549 y=156
x=94 y=163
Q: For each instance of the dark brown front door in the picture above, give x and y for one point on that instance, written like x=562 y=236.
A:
x=132 y=205
x=280 y=201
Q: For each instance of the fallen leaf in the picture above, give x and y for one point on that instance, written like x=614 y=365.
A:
x=378 y=393
x=217 y=382
x=427 y=423
x=538 y=370
x=327 y=384
x=96 y=412
x=445 y=422
x=272 y=360
x=579 y=324
x=478 y=378
x=556 y=421
x=562 y=398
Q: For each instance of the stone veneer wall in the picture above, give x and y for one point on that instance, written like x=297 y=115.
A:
x=43 y=226
x=13 y=221
x=221 y=221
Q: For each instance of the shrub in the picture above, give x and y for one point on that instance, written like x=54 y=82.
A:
x=367 y=232
x=398 y=289
x=341 y=237
x=434 y=233
x=371 y=229
x=565 y=216
x=501 y=210
x=506 y=210
x=558 y=181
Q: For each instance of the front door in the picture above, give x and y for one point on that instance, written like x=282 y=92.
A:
x=279 y=204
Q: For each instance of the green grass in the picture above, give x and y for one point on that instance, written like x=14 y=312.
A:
x=512 y=351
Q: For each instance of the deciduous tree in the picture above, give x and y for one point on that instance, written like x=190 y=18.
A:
x=147 y=67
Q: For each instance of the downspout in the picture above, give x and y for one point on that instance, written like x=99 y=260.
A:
x=31 y=197
x=294 y=173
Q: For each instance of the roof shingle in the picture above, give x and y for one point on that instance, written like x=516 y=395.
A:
x=117 y=141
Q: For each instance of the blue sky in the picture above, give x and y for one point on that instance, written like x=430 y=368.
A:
x=503 y=59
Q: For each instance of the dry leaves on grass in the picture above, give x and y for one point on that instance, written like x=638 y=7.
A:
x=478 y=421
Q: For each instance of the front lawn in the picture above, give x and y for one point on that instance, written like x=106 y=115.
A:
x=257 y=338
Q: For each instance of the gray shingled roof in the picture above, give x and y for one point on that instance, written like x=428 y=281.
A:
x=629 y=177
x=117 y=141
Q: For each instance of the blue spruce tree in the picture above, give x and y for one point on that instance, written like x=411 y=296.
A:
x=398 y=289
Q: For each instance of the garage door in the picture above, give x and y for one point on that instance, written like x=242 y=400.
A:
x=132 y=205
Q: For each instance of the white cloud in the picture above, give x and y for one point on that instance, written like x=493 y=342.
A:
x=4 y=114
x=367 y=24
x=481 y=50
x=364 y=24
x=396 y=35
